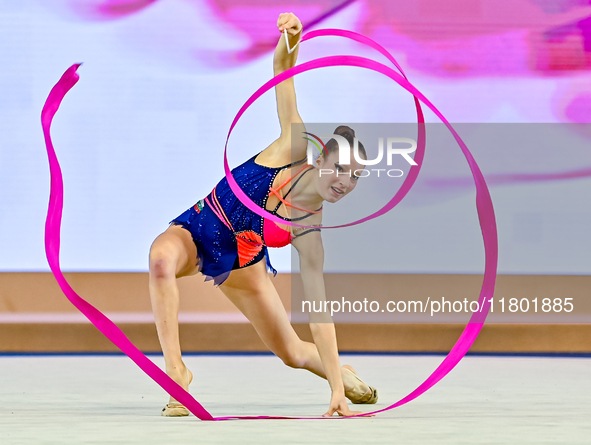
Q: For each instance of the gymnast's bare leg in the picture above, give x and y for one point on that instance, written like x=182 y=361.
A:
x=172 y=255
x=253 y=293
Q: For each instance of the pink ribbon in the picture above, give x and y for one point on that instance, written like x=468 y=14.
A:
x=113 y=333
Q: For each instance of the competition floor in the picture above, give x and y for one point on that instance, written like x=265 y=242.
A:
x=74 y=399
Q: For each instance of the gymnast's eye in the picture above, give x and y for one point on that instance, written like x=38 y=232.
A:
x=338 y=167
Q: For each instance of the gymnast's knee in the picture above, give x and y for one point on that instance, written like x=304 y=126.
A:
x=292 y=358
x=162 y=264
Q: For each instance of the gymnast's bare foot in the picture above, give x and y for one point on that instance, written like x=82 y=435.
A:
x=183 y=376
x=356 y=390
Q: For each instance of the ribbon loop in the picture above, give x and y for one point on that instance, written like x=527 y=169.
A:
x=112 y=332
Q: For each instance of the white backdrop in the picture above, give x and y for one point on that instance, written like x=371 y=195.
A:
x=140 y=139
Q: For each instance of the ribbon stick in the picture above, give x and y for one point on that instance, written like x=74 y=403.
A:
x=113 y=333
x=290 y=50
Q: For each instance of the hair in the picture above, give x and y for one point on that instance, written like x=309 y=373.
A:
x=348 y=133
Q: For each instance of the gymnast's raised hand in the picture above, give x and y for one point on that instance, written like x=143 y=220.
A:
x=290 y=22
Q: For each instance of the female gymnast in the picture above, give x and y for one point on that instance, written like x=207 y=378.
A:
x=227 y=242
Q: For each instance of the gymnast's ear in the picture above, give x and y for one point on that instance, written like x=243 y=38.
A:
x=319 y=160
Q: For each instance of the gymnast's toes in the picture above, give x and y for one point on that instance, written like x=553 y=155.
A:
x=356 y=390
x=174 y=409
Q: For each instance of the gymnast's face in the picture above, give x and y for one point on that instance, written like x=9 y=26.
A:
x=335 y=180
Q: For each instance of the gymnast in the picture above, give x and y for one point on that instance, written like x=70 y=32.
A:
x=227 y=242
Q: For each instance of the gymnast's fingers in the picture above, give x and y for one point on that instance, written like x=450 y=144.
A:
x=290 y=22
x=330 y=412
x=282 y=21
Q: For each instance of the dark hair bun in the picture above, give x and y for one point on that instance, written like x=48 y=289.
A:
x=343 y=130
x=347 y=132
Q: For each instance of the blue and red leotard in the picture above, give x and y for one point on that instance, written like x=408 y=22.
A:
x=228 y=235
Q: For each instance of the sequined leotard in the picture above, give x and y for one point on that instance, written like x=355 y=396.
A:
x=228 y=235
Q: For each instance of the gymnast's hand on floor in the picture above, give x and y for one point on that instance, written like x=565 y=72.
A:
x=338 y=404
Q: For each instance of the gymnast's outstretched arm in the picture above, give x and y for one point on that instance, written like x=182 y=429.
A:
x=311 y=254
x=285 y=92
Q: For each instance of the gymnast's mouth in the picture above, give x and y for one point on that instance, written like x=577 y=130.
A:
x=337 y=191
